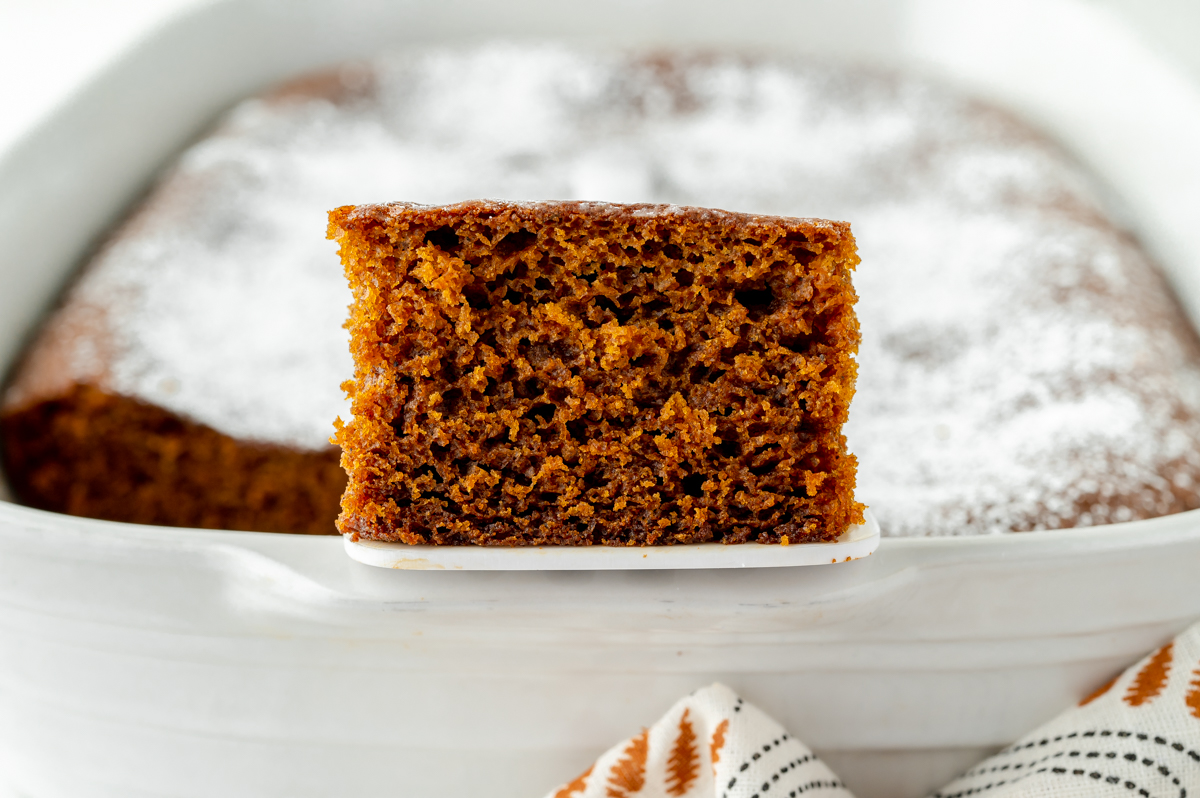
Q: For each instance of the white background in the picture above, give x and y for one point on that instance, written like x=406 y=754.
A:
x=48 y=48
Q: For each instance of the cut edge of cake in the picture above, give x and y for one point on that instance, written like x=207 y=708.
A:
x=578 y=373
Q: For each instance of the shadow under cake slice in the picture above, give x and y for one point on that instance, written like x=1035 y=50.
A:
x=587 y=373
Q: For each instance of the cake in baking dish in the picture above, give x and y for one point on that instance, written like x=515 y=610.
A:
x=581 y=373
x=1023 y=364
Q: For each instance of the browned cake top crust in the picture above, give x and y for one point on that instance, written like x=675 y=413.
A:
x=588 y=373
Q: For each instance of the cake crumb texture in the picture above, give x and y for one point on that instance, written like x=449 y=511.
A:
x=94 y=454
x=584 y=373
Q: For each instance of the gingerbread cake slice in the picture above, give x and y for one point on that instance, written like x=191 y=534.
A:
x=580 y=373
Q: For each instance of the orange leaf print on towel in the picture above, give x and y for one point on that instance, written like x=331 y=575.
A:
x=1193 y=697
x=684 y=763
x=1101 y=690
x=718 y=742
x=579 y=785
x=1151 y=679
x=628 y=775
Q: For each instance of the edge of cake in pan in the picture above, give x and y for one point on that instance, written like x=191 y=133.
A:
x=188 y=376
x=582 y=373
x=97 y=454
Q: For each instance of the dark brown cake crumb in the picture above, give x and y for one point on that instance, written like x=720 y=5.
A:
x=585 y=373
x=93 y=453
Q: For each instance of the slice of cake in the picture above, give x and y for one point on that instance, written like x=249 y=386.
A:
x=587 y=373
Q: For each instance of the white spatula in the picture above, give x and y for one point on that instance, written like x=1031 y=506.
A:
x=858 y=541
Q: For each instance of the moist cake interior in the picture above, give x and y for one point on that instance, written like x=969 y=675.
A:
x=587 y=373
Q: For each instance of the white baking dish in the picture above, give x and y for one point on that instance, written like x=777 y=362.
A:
x=144 y=661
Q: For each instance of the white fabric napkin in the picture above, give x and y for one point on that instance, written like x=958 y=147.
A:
x=709 y=744
x=1136 y=737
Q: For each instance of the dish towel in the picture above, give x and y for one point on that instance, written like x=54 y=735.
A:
x=1137 y=736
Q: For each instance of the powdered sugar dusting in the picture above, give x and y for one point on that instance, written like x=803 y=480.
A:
x=1022 y=367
